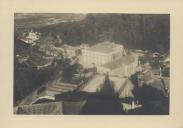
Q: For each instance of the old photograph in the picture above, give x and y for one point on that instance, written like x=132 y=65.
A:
x=91 y=64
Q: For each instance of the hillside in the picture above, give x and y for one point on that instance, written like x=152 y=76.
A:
x=148 y=32
x=144 y=31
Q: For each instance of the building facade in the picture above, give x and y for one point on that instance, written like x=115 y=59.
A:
x=110 y=58
x=102 y=53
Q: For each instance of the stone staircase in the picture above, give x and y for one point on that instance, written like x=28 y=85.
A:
x=59 y=88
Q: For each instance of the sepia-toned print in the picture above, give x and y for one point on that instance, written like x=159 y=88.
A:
x=91 y=64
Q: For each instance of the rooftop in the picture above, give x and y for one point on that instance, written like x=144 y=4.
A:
x=45 y=108
x=117 y=63
x=52 y=108
x=104 y=47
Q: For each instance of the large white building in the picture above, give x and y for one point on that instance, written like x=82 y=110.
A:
x=102 y=53
x=110 y=58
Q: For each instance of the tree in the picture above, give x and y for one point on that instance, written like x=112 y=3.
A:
x=107 y=88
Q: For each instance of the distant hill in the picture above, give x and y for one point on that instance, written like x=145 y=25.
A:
x=141 y=31
x=33 y=20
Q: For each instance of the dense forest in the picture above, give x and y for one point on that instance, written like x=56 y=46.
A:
x=148 y=32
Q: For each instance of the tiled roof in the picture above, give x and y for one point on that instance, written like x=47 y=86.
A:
x=44 y=108
x=52 y=108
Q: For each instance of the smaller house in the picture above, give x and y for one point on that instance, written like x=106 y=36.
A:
x=70 y=50
x=31 y=37
x=125 y=66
